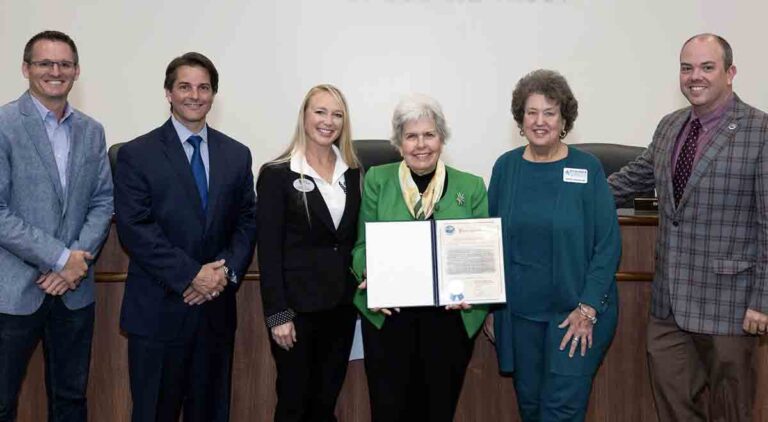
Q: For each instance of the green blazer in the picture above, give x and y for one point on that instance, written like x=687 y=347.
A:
x=383 y=201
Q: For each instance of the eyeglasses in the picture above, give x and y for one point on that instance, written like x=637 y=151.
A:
x=64 y=65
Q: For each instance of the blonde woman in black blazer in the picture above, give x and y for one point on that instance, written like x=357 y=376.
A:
x=309 y=199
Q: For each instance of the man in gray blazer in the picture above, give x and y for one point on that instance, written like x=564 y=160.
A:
x=709 y=164
x=55 y=209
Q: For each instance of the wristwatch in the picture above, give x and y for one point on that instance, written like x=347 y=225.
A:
x=229 y=274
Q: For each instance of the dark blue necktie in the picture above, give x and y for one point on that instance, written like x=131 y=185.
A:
x=198 y=169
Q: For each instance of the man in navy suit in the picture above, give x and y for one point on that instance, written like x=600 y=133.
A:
x=185 y=210
x=55 y=209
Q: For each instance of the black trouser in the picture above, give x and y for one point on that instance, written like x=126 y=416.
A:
x=192 y=373
x=310 y=375
x=415 y=364
x=66 y=336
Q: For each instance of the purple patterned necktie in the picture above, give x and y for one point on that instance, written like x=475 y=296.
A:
x=684 y=163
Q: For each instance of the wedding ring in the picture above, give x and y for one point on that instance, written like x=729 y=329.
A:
x=575 y=339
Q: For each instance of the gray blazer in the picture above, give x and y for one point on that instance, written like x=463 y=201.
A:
x=712 y=251
x=37 y=218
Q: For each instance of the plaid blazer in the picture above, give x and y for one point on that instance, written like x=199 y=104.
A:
x=712 y=250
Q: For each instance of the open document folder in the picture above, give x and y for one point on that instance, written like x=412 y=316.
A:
x=434 y=263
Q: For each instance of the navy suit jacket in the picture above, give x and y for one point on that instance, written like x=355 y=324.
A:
x=168 y=237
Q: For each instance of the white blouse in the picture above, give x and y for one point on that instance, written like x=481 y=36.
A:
x=334 y=193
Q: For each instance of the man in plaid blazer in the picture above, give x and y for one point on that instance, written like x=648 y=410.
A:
x=709 y=164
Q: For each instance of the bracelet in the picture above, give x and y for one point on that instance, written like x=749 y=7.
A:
x=584 y=313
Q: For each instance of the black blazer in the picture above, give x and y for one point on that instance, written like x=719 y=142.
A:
x=162 y=226
x=304 y=263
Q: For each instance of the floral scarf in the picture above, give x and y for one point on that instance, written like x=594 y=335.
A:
x=421 y=205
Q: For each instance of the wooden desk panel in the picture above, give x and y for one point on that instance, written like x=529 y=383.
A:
x=621 y=390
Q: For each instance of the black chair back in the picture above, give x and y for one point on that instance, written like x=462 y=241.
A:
x=613 y=157
x=374 y=152
x=112 y=154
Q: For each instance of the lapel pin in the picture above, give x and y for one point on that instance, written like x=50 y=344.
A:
x=460 y=199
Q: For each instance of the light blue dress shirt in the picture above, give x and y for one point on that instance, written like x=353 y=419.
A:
x=184 y=134
x=59 y=132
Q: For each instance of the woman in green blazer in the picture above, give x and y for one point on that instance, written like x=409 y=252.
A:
x=562 y=248
x=415 y=358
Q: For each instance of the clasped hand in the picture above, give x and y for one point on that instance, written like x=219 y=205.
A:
x=207 y=284
x=58 y=283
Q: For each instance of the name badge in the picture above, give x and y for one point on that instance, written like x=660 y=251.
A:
x=303 y=185
x=575 y=175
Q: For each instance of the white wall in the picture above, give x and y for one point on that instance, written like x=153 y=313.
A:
x=620 y=57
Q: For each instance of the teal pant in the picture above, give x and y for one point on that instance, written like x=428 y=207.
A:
x=542 y=394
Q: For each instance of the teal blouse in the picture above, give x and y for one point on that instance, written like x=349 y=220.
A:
x=530 y=282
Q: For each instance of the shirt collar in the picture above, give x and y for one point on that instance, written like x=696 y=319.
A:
x=710 y=120
x=44 y=112
x=185 y=133
x=300 y=165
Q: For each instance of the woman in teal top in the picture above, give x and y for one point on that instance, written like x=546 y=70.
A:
x=562 y=247
x=415 y=358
